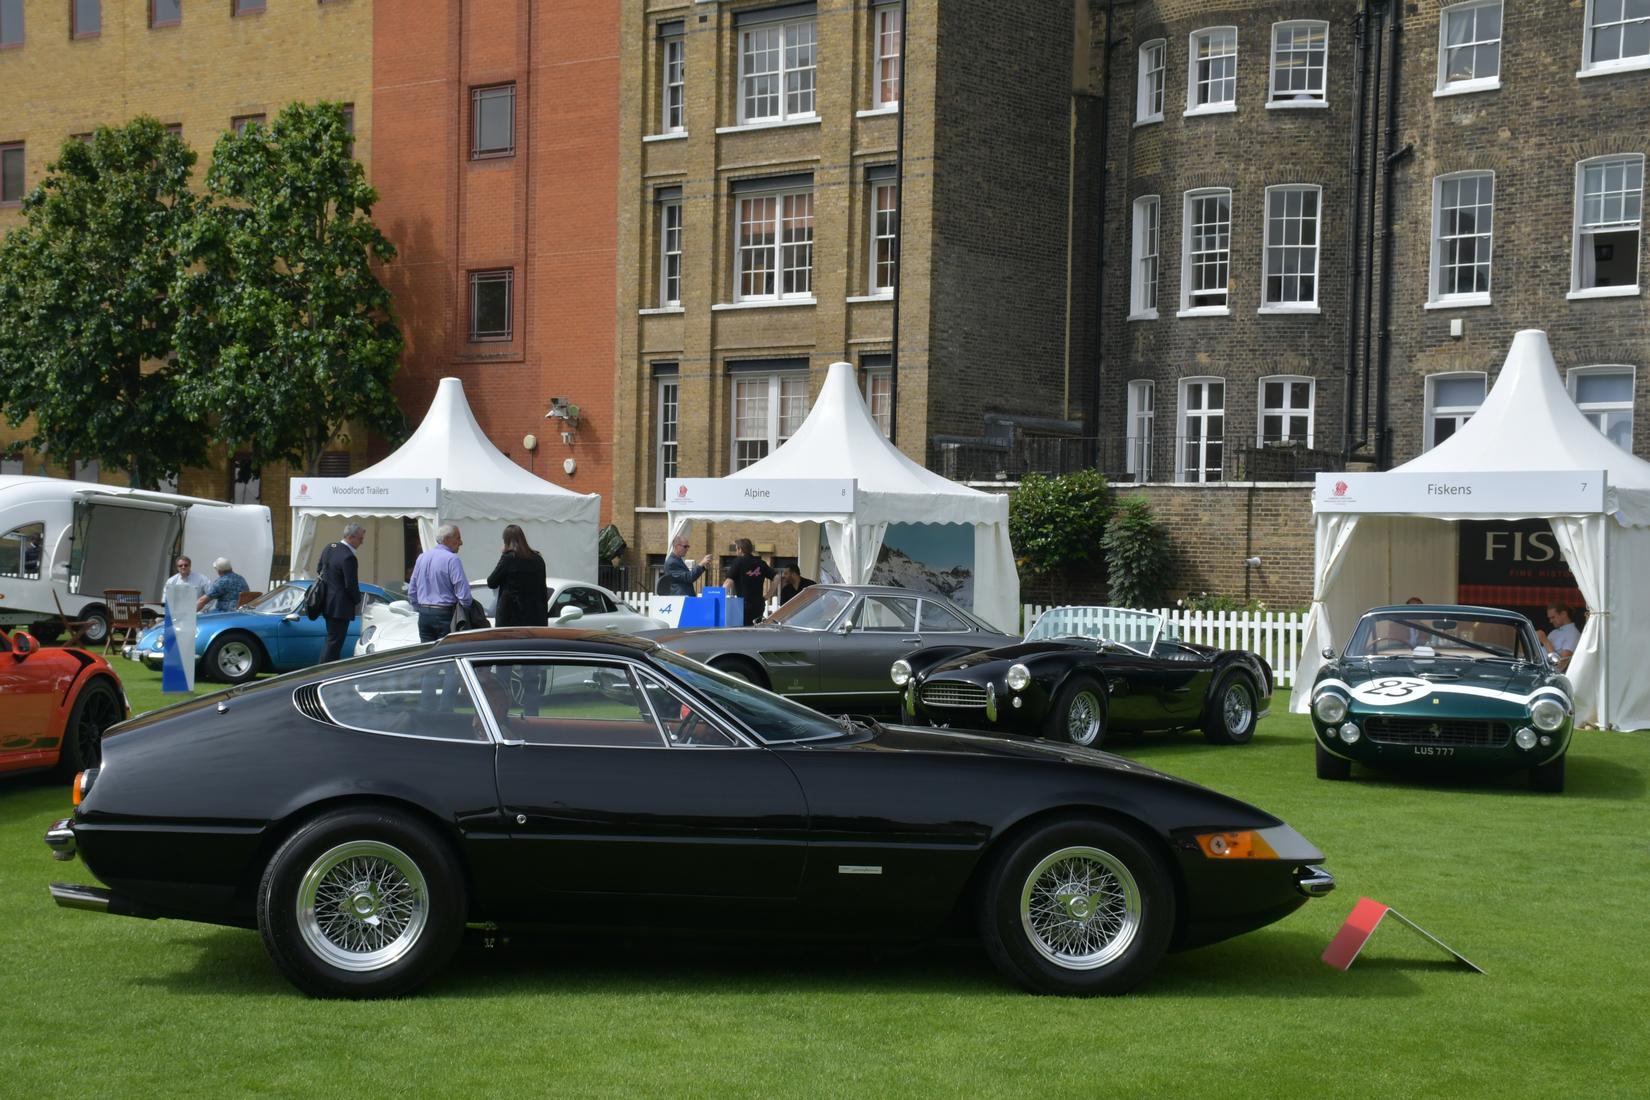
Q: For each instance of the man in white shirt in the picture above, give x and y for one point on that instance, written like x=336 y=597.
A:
x=1563 y=638
x=187 y=575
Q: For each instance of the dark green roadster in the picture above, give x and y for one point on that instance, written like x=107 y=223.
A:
x=1443 y=687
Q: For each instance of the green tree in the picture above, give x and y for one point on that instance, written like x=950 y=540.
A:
x=1057 y=522
x=1137 y=555
x=288 y=334
x=87 y=319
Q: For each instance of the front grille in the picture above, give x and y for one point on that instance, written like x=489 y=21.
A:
x=1457 y=732
x=308 y=701
x=952 y=693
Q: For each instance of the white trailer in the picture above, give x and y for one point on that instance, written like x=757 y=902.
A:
x=76 y=540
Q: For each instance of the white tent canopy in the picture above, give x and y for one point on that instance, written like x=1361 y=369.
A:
x=840 y=440
x=480 y=489
x=1528 y=453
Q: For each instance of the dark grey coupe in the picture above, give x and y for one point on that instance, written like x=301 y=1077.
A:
x=830 y=645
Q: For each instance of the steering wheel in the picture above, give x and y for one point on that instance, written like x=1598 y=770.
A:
x=1390 y=645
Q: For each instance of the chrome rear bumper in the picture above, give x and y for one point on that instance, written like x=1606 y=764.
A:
x=1314 y=882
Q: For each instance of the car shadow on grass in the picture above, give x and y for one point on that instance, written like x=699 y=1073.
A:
x=1588 y=778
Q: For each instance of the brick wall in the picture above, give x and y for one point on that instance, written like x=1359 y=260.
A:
x=1215 y=527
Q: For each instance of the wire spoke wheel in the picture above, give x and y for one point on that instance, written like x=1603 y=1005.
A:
x=1083 y=718
x=1236 y=708
x=362 y=905
x=1080 y=908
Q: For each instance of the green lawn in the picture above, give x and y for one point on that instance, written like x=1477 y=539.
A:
x=1546 y=893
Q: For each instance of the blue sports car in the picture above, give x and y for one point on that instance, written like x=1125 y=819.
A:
x=270 y=634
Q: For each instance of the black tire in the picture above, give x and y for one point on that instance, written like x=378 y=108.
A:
x=97 y=708
x=1233 y=710
x=1109 y=956
x=741 y=669
x=233 y=658
x=317 y=860
x=98 y=624
x=1331 y=766
x=1078 y=692
x=46 y=631
x=1548 y=777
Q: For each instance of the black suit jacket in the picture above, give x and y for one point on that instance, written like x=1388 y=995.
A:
x=679 y=577
x=341 y=572
x=523 y=600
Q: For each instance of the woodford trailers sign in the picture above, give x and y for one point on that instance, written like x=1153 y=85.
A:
x=368 y=495
x=1489 y=494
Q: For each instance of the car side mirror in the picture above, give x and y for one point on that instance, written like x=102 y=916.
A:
x=569 y=614
x=1554 y=660
x=1328 y=654
x=847 y=627
x=22 y=644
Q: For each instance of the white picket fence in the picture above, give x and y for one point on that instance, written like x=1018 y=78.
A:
x=1276 y=636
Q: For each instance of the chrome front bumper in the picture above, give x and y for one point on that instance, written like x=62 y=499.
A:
x=1314 y=881
x=60 y=839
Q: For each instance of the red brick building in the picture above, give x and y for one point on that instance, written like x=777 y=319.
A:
x=495 y=151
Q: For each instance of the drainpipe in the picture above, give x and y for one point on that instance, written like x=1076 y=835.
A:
x=1379 y=11
x=1100 y=236
x=1389 y=166
x=899 y=233
x=1351 y=441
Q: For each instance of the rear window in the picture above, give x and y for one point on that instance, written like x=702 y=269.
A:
x=427 y=700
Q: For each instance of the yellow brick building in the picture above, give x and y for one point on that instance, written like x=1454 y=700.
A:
x=85 y=63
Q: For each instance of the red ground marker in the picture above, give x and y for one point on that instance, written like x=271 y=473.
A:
x=1366 y=916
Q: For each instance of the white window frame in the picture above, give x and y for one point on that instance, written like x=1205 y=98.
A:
x=667 y=453
x=1148 y=233
x=1605 y=408
x=673 y=63
x=670 y=248
x=879 y=383
x=1182 y=435
x=1274 y=96
x=775 y=396
x=1141 y=428
x=1286 y=410
x=1432 y=412
x=885 y=24
x=1266 y=252
x=1186 y=261
x=1435 y=298
x=1578 y=231
x=1445 y=86
x=777 y=249
x=1150 y=94
x=875 y=287
x=782 y=74
x=1589 y=67
x=1213 y=107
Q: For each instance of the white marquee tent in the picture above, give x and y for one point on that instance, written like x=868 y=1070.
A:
x=1528 y=453
x=476 y=486
x=840 y=440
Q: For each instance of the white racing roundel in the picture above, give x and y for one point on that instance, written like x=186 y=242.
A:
x=1391 y=691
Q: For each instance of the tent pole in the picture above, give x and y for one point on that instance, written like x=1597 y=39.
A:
x=1604 y=627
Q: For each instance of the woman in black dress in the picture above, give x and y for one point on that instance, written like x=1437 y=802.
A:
x=518 y=578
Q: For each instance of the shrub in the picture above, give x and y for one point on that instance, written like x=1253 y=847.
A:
x=1137 y=555
x=1058 y=522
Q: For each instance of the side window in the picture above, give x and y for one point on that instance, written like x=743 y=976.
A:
x=21 y=549
x=428 y=700
x=887 y=613
x=685 y=725
x=552 y=703
x=562 y=601
x=589 y=601
x=938 y=619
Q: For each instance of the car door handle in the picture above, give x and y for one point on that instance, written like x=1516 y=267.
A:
x=910 y=641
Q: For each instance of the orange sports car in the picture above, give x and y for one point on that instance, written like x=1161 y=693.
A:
x=54 y=706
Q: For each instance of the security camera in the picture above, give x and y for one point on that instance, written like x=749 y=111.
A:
x=1252 y=563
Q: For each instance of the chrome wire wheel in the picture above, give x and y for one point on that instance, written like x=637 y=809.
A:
x=235 y=659
x=362 y=905
x=1080 y=908
x=1236 y=708
x=1083 y=718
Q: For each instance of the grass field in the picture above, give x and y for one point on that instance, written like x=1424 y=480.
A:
x=1546 y=893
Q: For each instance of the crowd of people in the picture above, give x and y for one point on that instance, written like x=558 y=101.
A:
x=748 y=577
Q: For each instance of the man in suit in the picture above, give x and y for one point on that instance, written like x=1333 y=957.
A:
x=679 y=578
x=340 y=571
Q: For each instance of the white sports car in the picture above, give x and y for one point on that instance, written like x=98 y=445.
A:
x=589 y=606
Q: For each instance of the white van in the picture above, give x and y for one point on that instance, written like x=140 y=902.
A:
x=76 y=539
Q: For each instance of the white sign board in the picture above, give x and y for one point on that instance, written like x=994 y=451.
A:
x=826 y=496
x=1495 y=493
x=368 y=494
